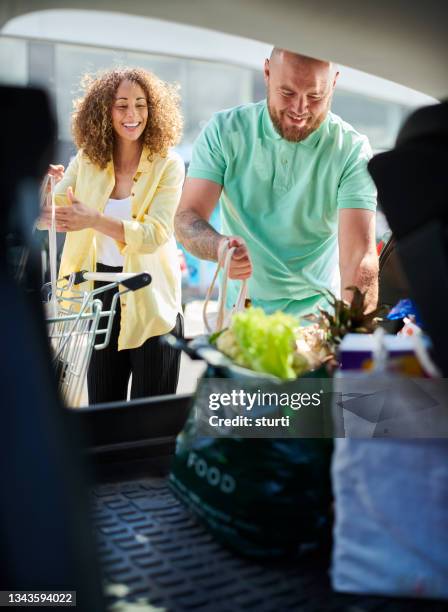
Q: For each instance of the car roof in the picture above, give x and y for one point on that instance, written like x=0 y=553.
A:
x=399 y=40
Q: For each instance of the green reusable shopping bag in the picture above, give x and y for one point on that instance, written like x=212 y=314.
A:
x=263 y=497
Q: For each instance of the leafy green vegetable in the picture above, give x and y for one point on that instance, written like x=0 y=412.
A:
x=264 y=343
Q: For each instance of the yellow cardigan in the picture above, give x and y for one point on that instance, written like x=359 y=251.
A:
x=149 y=239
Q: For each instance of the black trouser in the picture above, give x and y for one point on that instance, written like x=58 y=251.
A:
x=154 y=366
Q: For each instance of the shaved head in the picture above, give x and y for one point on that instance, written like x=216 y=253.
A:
x=299 y=92
x=280 y=55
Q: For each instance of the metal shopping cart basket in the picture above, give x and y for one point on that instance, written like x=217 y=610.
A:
x=73 y=318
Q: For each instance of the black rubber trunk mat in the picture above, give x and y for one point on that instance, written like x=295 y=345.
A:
x=156 y=556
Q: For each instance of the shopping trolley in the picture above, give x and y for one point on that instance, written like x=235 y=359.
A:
x=73 y=318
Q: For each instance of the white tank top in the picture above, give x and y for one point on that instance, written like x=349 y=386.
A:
x=106 y=247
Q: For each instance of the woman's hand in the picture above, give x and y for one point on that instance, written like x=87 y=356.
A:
x=57 y=172
x=71 y=218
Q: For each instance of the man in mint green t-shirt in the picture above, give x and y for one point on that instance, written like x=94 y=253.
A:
x=296 y=198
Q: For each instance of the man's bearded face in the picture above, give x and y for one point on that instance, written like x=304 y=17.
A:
x=299 y=95
x=294 y=125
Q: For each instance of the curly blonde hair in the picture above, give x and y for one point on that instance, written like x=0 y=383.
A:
x=92 y=119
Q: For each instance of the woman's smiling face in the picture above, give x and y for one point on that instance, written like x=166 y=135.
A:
x=129 y=111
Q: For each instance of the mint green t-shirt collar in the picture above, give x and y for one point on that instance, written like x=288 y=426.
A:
x=270 y=131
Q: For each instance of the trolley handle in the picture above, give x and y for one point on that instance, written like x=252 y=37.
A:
x=130 y=280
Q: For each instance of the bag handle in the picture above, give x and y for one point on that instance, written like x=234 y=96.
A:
x=225 y=253
x=420 y=350
x=47 y=198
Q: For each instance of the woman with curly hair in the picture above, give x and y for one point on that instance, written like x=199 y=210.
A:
x=116 y=201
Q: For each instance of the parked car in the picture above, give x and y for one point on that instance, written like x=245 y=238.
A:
x=150 y=547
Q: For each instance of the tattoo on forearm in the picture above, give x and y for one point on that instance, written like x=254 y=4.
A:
x=196 y=235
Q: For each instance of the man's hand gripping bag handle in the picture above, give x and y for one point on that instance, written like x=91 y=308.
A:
x=225 y=254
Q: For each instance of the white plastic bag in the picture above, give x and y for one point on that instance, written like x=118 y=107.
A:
x=391 y=528
x=391 y=494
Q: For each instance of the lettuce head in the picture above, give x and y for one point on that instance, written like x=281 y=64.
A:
x=263 y=343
